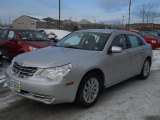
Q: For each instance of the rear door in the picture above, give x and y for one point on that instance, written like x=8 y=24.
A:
x=137 y=51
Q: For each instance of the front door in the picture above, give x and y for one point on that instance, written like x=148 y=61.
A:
x=118 y=64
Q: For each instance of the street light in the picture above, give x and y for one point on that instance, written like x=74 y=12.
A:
x=59 y=14
x=129 y=18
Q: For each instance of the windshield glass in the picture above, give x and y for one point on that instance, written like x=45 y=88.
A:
x=84 y=40
x=31 y=35
x=153 y=33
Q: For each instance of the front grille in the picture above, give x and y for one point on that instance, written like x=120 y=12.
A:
x=23 y=71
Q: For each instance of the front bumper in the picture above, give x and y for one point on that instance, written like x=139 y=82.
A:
x=46 y=92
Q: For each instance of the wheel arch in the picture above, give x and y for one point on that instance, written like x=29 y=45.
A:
x=150 y=59
x=96 y=71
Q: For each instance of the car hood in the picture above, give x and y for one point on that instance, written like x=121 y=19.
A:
x=53 y=56
x=38 y=44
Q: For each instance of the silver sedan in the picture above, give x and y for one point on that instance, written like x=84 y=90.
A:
x=78 y=67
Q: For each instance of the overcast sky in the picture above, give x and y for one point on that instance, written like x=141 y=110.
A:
x=94 y=10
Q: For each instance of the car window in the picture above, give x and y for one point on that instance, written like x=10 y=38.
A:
x=120 y=40
x=134 y=41
x=86 y=41
x=11 y=35
x=3 y=34
x=31 y=35
x=75 y=40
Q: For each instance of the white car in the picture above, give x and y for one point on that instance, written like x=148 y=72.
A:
x=55 y=33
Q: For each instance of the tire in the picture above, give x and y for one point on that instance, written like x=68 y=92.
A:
x=145 y=70
x=89 y=90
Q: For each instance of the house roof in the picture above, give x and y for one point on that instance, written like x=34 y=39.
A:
x=35 y=18
x=84 y=21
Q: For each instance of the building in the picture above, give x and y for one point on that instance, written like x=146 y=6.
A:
x=32 y=22
x=144 y=26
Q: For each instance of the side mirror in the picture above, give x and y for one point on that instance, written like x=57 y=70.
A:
x=116 y=49
x=52 y=35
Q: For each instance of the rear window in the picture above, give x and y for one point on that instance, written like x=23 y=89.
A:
x=134 y=41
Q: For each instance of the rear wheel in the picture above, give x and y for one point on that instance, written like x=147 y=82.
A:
x=89 y=90
x=145 y=70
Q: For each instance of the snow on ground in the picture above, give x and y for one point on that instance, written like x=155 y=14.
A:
x=59 y=33
x=2 y=72
x=2 y=69
x=156 y=60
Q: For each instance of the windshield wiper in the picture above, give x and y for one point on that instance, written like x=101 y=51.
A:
x=74 y=47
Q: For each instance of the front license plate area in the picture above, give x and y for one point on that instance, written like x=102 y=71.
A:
x=15 y=85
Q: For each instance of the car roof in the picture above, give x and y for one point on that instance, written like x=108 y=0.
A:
x=109 y=31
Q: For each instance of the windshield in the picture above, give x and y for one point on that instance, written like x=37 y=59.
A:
x=31 y=35
x=153 y=33
x=84 y=40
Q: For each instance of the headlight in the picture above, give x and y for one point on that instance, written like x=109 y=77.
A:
x=56 y=73
x=32 y=48
x=153 y=41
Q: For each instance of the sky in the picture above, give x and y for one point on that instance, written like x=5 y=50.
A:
x=93 y=10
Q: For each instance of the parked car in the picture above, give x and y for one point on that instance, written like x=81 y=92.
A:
x=16 y=41
x=152 y=33
x=149 y=38
x=55 y=34
x=158 y=31
x=79 y=66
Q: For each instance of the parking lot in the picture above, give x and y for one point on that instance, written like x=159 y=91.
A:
x=131 y=100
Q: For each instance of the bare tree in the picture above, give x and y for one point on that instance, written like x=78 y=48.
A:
x=142 y=13
x=148 y=12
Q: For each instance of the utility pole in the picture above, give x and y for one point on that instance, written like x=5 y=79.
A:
x=143 y=14
x=123 y=19
x=59 y=14
x=9 y=21
x=129 y=16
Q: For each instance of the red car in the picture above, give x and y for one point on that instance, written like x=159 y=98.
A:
x=154 y=41
x=15 y=41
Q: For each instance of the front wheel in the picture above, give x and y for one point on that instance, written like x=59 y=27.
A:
x=89 y=90
x=145 y=70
